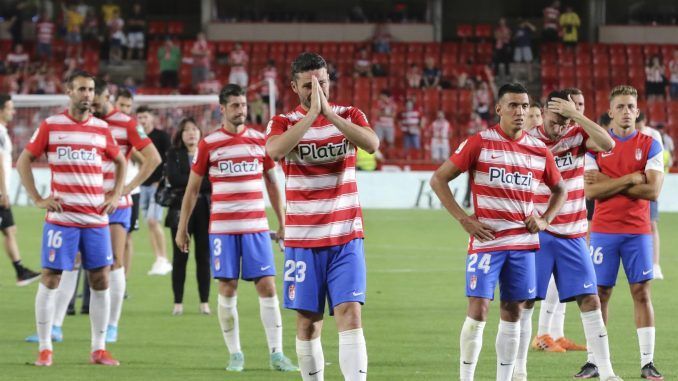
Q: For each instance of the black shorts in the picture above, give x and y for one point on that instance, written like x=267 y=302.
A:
x=590 y=206
x=134 y=219
x=6 y=218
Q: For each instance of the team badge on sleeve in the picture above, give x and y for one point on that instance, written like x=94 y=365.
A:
x=141 y=132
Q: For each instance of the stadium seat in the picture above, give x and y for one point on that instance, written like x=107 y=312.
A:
x=157 y=28
x=483 y=31
x=464 y=31
x=175 y=28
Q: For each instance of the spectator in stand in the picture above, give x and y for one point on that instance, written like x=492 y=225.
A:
x=238 y=60
x=413 y=76
x=384 y=126
x=655 y=82
x=12 y=83
x=362 y=66
x=381 y=41
x=116 y=37
x=18 y=59
x=476 y=124
x=522 y=40
x=44 y=81
x=256 y=109
x=108 y=10
x=136 y=33
x=201 y=60
x=502 y=47
x=569 y=23
x=411 y=122
x=210 y=85
x=669 y=146
x=15 y=19
x=551 y=22
x=131 y=85
x=534 y=116
x=71 y=66
x=90 y=27
x=440 y=134
x=268 y=77
x=673 y=70
x=44 y=31
x=74 y=22
x=432 y=75
x=482 y=96
x=169 y=58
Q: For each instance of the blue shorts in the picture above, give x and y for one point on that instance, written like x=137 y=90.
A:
x=654 y=211
x=634 y=250
x=61 y=244
x=251 y=251
x=336 y=273
x=121 y=217
x=569 y=260
x=514 y=269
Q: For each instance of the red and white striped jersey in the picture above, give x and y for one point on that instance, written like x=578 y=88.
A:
x=75 y=153
x=128 y=134
x=410 y=121
x=440 y=131
x=323 y=208
x=505 y=176
x=238 y=59
x=45 y=32
x=235 y=164
x=266 y=74
x=387 y=112
x=569 y=152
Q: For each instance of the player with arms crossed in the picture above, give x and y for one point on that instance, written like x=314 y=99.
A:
x=506 y=166
x=76 y=145
x=623 y=181
x=324 y=256
x=234 y=158
x=563 y=253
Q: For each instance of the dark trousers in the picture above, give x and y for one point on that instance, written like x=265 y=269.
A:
x=198 y=227
x=169 y=78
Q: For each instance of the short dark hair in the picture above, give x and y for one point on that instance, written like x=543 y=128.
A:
x=77 y=73
x=561 y=94
x=641 y=117
x=536 y=103
x=230 y=90
x=124 y=93
x=572 y=91
x=386 y=92
x=100 y=85
x=307 y=61
x=4 y=98
x=144 y=108
x=604 y=119
x=511 y=88
x=177 y=141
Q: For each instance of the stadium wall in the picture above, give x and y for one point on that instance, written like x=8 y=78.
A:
x=379 y=190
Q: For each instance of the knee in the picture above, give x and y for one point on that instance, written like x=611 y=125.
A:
x=478 y=309
x=641 y=295
x=348 y=316
x=266 y=287
x=510 y=311
x=604 y=293
x=50 y=279
x=98 y=281
x=529 y=304
x=308 y=328
x=589 y=303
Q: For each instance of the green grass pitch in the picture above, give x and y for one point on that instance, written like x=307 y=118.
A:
x=414 y=311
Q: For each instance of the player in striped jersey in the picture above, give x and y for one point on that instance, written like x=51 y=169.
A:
x=623 y=181
x=507 y=166
x=234 y=158
x=76 y=144
x=324 y=257
x=129 y=135
x=563 y=252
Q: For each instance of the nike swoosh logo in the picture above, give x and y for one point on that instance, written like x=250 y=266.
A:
x=588 y=285
x=228 y=330
x=502 y=364
x=467 y=363
x=314 y=373
x=495 y=156
x=264 y=268
x=108 y=258
x=531 y=290
x=549 y=311
x=357 y=293
x=646 y=354
x=601 y=336
x=362 y=371
x=647 y=272
x=606 y=154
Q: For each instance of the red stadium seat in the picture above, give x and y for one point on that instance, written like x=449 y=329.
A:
x=657 y=111
x=483 y=31
x=464 y=31
x=175 y=28
x=157 y=28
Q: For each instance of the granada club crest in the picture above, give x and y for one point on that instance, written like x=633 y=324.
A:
x=639 y=154
x=217 y=264
x=291 y=292
x=473 y=282
x=52 y=255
